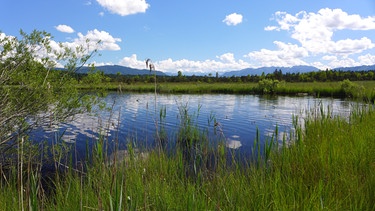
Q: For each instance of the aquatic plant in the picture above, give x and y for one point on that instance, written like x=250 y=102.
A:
x=328 y=166
x=160 y=138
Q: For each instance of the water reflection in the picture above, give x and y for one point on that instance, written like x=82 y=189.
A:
x=233 y=142
x=134 y=117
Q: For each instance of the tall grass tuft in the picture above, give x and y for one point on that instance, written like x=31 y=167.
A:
x=327 y=165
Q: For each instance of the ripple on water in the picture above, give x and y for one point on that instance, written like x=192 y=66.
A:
x=240 y=117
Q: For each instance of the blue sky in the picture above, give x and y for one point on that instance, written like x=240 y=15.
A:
x=206 y=36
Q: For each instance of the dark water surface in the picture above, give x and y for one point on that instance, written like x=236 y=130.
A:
x=134 y=118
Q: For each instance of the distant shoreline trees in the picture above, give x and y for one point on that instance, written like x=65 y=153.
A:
x=318 y=76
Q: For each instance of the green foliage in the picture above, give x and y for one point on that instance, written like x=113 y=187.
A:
x=330 y=168
x=329 y=165
x=188 y=134
x=352 y=90
x=32 y=92
x=162 y=133
x=94 y=77
x=318 y=76
x=268 y=86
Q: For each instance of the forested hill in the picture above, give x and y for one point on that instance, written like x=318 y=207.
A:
x=117 y=69
x=267 y=70
x=357 y=68
x=294 y=69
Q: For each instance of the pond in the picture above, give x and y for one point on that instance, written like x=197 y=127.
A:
x=236 y=119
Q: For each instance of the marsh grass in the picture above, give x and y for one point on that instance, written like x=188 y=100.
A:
x=329 y=166
x=319 y=89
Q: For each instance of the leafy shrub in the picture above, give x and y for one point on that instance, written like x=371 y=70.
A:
x=352 y=89
x=32 y=92
x=268 y=86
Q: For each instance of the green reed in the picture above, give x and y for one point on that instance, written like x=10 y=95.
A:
x=326 y=164
x=320 y=89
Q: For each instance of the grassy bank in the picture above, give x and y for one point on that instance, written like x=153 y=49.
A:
x=326 y=89
x=330 y=166
x=180 y=87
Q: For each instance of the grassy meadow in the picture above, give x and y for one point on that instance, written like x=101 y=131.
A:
x=330 y=165
x=363 y=90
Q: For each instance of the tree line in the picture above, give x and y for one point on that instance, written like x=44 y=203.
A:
x=318 y=76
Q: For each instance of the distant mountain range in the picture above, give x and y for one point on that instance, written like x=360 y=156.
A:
x=357 y=68
x=294 y=69
x=266 y=70
x=114 y=69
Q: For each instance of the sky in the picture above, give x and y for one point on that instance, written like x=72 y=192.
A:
x=205 y=36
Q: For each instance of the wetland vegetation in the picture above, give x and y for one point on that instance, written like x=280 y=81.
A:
x=326 y=163
x=329 y=166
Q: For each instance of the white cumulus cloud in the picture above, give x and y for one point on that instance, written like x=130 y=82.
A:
x=340 y=61
x=89 y=42
x=286 y=55
x=225 y=62
x=270 y=28
x=233 y=19
x=92 y=40
x=133 y=62
x=227 y=57
x=107 y=41
x=315 y=34
x=349 y=46
x=344 y=62
x=315 y=30
x=124 y=7
x=367 y=59
x=64 y=28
